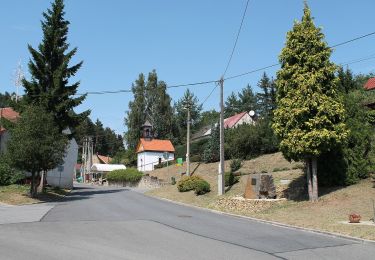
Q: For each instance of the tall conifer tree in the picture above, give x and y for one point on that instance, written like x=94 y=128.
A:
x=50 y=71
x=309 y=115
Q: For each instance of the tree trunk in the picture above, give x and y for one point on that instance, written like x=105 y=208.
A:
x=41 y=187
x=33 y=187
x=309 y=181
x=315 y=179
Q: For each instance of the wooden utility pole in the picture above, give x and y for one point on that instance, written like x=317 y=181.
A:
x=221 y=179
x=87 y=152
x=188 y=142
x=84 y=156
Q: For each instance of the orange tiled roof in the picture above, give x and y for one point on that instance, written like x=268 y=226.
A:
x=231 y=121
x=9 y=114
x=370 y=84
x=155 y=145
x=105 y=159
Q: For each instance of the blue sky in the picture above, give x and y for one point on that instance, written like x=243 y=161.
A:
x=184 y=41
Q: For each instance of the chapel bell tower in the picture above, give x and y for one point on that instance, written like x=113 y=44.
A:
x=146 y=132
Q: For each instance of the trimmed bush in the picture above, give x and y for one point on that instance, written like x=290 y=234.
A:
x=230 y=179
x=235 y=165
x=202 y=187
x=127 y=175
x=188 y=183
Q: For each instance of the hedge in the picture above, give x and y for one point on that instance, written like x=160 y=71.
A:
x=126 y=175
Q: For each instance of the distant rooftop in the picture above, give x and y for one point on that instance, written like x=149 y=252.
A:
x=370 y=84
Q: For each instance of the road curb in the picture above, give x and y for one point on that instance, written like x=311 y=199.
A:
x=274 y=223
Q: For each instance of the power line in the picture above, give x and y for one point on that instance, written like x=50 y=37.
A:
x=238 y=35
x=370 y=57
x=277 y=64
x=209 y=81
x=130 y=91
x=252 y=71
x=352 y=40
x=209 y=95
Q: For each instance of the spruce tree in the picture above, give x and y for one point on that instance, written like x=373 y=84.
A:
x=247 y=99
x=232 y=105
x=49 y=86
x=346 y=82
x=309 y=118
x=266 y=99
x=189 y=99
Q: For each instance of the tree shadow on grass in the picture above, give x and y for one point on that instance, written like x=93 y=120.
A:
x=297 y=189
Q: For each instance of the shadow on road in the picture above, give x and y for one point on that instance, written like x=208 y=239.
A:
x=81 y=192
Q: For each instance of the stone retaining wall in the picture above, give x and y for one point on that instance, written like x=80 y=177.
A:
x=147 y=182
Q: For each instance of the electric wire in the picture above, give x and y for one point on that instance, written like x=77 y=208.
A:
x=235 y=42
x=209 y=81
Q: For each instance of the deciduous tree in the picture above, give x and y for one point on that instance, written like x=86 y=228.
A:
x=37 y=144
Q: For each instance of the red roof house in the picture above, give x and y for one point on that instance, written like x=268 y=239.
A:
x=233 y=120
x=9 y=114
x=370 y=84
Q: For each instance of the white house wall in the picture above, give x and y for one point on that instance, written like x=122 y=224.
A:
x=146 y=161
x=65 y=178
x=246 y=119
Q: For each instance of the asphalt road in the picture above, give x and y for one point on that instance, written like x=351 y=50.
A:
x=109 y=223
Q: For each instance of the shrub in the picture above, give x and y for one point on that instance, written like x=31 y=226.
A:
x=202 y=187
x=353 y=160
x=211 y=152
x=249 y=141
x=188 y=183
x=126 y=175
x=230 y=179
x=195 y=158
x=158 y=166
x=235 y=164
x=9 y=175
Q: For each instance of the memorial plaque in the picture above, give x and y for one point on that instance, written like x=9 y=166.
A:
x=249 y=190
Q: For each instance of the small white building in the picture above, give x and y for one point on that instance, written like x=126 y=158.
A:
x=63 y=175
x=151 y=152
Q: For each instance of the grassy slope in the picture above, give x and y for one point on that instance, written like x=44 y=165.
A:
x=326 y=214
x=18 y=195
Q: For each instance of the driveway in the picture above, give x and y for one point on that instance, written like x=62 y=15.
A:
x=112 y=223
